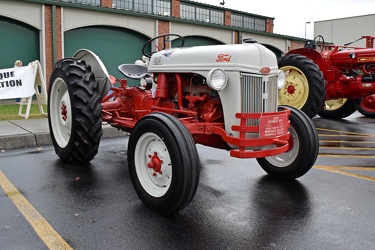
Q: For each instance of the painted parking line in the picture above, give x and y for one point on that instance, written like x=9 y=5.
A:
x=360 y=140
x=347 y=148
x=344 y=132
x=347 y=156
x=49 y=236
x=341 y=170
x=340 y=141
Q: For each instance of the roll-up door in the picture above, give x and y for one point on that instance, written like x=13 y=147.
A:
x=19 y=41
x=113 y=45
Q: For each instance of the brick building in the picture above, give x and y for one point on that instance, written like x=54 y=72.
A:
x=116 y=30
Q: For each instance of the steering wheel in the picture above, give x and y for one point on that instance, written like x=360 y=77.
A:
x=319 y=41
x=166 y=39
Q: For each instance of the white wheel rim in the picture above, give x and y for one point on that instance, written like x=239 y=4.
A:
x=287 y=158
x=295 y=91
x=153 y=164
x=60 y=112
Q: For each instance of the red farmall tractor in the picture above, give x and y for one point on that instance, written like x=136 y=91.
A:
x=327 y=79
x=222 y=96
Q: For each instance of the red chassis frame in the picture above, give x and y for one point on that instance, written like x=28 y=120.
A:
x=118 y=113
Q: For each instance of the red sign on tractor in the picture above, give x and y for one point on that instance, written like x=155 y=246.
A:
x=273 y=125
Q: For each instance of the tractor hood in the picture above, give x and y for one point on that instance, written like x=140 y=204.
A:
x=247 y=57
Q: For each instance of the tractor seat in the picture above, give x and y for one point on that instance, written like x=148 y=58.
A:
x=133 y=71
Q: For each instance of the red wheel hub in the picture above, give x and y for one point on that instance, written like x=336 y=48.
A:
x=369 y=102
x=64 y=112
x=291 y=89
x=155 y=162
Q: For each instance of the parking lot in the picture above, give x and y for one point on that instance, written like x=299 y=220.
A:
x=237 y=206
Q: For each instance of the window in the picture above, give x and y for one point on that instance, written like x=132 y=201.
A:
x=158 y=7
x=217 y=17
x=202 y=15
x=187 y=11
x=143 y=6
x=236 y=20
x=248 y=22
x=192 y=12
x=123 y=4
x=260 y=24
x=162 y=7
x=88 y=2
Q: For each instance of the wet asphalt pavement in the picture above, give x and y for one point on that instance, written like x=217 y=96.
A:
x=237 y=206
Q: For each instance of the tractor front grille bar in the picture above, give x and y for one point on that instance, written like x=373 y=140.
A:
x=259 y=95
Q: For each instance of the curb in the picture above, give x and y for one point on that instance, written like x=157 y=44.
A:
x=40 y=139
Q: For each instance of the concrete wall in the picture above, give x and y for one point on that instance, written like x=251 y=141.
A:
x=345 y=30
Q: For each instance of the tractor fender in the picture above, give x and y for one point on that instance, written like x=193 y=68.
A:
x=98 y=68
x=314 y=55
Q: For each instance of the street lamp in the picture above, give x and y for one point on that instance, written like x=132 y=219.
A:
x=306 y=23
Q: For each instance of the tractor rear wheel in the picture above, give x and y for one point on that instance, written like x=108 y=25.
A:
x=367 y=106
x=74 y=111
x=305 y=86
x=163 y=163
x=300 y=158
x=339 y=108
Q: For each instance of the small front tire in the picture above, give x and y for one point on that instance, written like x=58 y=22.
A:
x=303 y=154
x=163 y=163
x=367 y=106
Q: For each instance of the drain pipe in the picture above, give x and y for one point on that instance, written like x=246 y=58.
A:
x=54 y=42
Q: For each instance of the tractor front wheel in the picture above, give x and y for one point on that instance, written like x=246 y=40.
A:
x=304 y=88
x=74 y=111
x=300 y=158
x=163 y=163
x=367 y=106
x=337 y=109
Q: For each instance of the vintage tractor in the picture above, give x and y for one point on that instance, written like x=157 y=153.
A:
x=222 y=96
x=367 y=105
x=347 y=75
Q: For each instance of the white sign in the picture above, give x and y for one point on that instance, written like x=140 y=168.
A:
x=17 y=82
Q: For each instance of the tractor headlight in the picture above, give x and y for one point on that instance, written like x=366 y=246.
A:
x=281 y=79
x=217 y=79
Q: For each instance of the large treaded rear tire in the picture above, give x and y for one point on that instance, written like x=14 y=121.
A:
x=305 y=84
x=74 y=111
x=339 y=109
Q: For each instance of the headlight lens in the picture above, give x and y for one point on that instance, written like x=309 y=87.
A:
x=217 y=79
x=281 y=79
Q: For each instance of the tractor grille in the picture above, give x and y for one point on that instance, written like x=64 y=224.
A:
x=259 y=95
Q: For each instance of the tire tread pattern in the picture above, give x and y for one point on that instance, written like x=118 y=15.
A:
x=86 y=111
x=185 y=156
x=348 y=108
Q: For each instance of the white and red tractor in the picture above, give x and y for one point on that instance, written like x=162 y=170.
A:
x=222 y=96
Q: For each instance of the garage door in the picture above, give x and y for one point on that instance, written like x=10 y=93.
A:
x=113 y=45
x=19 y=41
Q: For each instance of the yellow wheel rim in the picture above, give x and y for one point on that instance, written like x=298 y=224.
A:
x=296 y=89
x=334 y=103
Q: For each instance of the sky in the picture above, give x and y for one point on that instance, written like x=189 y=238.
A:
x=291 y=16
